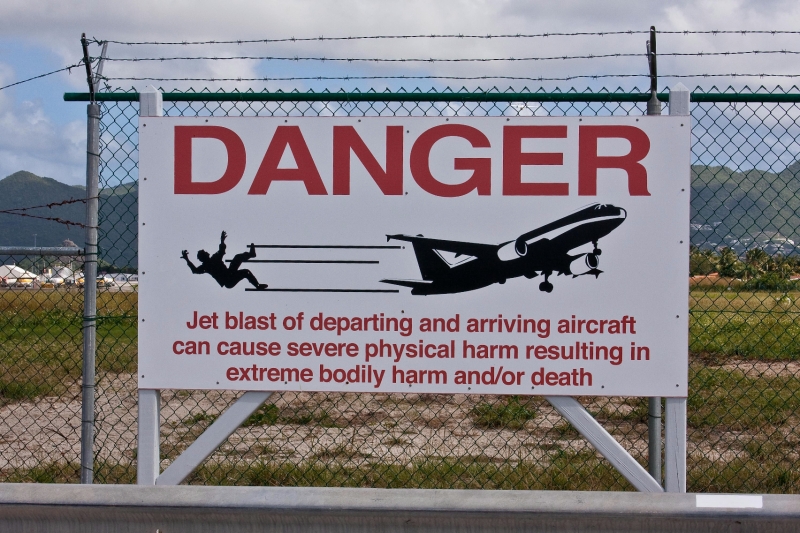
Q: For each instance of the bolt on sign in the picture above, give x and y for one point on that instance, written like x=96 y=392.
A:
x=500 y=255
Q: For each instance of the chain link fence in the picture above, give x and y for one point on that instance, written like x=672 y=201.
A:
x=744 y=374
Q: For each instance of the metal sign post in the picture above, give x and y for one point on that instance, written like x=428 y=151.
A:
x=148 y=460
x=675 y=422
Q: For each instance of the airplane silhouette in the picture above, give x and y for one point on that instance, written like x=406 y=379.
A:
x=449 y=267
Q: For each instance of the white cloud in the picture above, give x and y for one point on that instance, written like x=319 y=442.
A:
x=30 y=141
x=58 y=25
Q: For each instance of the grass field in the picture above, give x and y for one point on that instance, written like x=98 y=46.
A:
x=749 y=325
x=41 y=342
x=566 y=471
x=744 y=409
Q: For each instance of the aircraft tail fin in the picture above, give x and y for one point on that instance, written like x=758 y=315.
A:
x=431 y=264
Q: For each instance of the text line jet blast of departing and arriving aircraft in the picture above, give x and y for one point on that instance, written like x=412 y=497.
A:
x=451 y=266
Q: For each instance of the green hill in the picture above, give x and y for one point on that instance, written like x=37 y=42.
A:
x=728 y=208
x=23 y=189
x=118 y=212
x=742 y=209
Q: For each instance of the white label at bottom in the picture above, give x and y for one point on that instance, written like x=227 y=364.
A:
x=731 y=501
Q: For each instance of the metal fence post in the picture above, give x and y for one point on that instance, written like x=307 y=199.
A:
x=653 y=105
x=90 y=292
x=654 y=404
x=148 y=459
x=675 y=423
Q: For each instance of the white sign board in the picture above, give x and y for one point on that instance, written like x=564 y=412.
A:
x=496 y=255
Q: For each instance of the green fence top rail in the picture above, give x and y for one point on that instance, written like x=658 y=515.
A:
x=429 y=97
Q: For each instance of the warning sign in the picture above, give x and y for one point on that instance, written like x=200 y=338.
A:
x=502 y=255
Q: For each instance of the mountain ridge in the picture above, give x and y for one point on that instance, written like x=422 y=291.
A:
x=118 y=215
x=737 y=209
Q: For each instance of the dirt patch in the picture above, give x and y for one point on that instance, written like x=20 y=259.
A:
x=759 y=369
x=347 y=429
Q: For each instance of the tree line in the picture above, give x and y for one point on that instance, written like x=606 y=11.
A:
x=756 y=270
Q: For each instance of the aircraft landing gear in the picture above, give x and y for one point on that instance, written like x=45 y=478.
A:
x=596 y=251
x=546 y=286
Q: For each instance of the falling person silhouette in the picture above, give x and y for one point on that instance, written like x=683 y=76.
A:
x=226 y=276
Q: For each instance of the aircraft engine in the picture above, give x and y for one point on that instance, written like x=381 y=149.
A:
x=521 y=247
x=583 y=264
x=512 y=250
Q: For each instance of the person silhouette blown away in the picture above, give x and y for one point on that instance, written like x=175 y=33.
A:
x=226 y=276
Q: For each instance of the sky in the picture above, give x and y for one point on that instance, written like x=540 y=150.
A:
x=41 y=133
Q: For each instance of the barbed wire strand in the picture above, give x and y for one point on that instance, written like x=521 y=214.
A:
x=397 y=77
x=21 y=211
x=67 y=223
x=463 y=78
x=440 y=60
x=50 y=205
x=69 y=68
x=450 y=36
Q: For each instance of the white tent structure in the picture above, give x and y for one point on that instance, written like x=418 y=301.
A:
x=14 y=276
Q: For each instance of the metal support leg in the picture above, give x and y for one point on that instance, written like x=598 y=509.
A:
x=675 y=420
x=210 y=440
x=149 y=454
x=149 y=451
x=604 y=443
x=675 y=450
x=654 y=437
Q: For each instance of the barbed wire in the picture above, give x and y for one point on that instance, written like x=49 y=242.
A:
x=731 y=75
x=69 y=68
x=21 y=211
x=420 y=60
x=457 y=78
x=729 y=32
x=440 y=60
x=67 y=223
x=396 y=77
x=51 y=204
x=448 y=36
